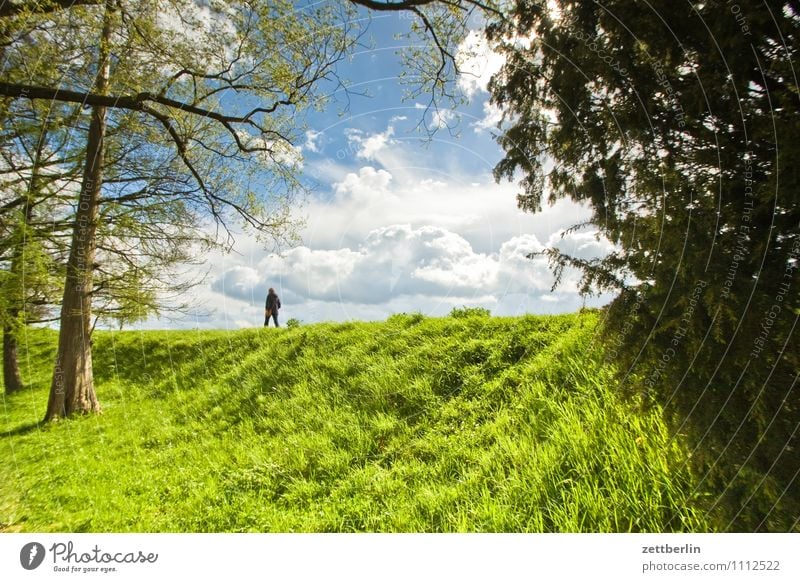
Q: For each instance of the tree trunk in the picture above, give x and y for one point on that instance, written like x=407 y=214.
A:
x=11 y=376
x=72 y=388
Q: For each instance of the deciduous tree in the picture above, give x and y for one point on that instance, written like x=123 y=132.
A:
x=225 y=82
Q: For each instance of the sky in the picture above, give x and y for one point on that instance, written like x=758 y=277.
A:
x=397 y=222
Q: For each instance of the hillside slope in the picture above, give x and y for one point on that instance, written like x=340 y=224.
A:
x=413 y=424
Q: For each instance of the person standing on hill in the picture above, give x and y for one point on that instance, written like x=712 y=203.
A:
x=272 y=307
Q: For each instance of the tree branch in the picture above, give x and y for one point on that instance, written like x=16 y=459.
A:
x=8 y=8
x=132 y=102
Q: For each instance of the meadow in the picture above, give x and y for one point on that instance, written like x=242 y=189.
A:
x=457 y=424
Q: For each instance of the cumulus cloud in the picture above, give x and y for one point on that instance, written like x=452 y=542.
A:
x=395 y=268
x=239 y=282
x=273 y=151
x=519 y=273
x=481 y=211
x=394 y=261
x=211 y=31
x=368 y=147
x=367 y=183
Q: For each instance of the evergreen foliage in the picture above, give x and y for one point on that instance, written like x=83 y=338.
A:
x=679 y=125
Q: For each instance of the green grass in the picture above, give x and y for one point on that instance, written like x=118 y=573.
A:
x=413 y=424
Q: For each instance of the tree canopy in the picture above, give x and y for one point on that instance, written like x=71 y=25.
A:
x=678 y=125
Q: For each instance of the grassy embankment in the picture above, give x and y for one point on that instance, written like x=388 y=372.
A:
x=413 y=424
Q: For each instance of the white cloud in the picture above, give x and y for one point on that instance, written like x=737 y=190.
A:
x=395 y=268
x=392 y=261
x=441 y=118
x=438 y=118
x=273 y=151
x=396 y=261
x=481 y=211
x=586 y=244
x=521 y=273
x=492 y=115
x=239 y=282
x=210 y=32
x=477 y=62
x=368 y=183
x=286 y=154
x=312 y=141
x=367 y=148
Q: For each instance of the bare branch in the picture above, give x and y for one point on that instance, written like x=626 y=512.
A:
x=131 y=102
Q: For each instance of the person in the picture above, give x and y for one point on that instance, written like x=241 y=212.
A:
x=271 y=308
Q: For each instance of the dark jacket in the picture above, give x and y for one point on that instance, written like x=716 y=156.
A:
x=273 y=302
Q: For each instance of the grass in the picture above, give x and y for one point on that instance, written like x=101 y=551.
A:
x=414 y=424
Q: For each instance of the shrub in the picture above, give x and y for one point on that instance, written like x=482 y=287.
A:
x=293 y=322
x=463 y=312
x=406 y=318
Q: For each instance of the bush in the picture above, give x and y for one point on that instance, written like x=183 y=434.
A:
x=406 y=318
x=463 y=312
x=293 y=322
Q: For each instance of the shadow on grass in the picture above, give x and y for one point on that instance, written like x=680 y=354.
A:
x=23 y=429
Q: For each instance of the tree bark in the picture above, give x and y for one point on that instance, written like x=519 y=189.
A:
x=11 y=376
x=72 y=389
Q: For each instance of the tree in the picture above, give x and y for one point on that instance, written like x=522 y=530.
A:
x=143 y=236
x=72 y=389
x=678 y=126
x=209 y=136
x=174 y=69
x=34 y=177
x=230 y=61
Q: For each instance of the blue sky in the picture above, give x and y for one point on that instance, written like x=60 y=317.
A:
x=397 y=222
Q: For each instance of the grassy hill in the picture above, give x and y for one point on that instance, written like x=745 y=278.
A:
x=413 y=424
